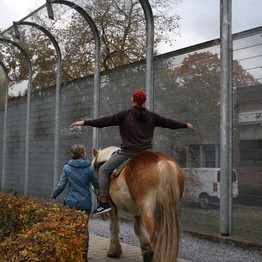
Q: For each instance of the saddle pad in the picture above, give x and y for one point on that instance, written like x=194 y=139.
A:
x=118 y=170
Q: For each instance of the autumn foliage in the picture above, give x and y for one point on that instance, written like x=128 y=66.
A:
x=35 y=230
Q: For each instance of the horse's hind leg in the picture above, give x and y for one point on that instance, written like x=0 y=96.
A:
x=115 y=249
x=142 y=235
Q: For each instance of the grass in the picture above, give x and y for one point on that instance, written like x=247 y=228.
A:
x=246 y=221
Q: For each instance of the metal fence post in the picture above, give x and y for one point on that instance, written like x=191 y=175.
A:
x=226 y=118
x=149 y=53
x=4 y=126
x=90 y=21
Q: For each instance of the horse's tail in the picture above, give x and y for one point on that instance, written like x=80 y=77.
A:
x=167 y=214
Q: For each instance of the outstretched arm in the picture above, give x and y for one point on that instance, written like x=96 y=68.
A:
x=113 y=120
x=170 y=123
x=78 y=123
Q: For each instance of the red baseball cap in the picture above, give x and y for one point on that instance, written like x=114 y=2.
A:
x=139 y=96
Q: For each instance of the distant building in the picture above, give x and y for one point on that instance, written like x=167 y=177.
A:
x=248 y=136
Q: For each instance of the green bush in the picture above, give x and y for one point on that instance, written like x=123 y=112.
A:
x=35 y=230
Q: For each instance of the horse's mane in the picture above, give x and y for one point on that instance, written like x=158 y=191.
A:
x=105 y=154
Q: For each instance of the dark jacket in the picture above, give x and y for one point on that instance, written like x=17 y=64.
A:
x=136 y=126
x=78 y=174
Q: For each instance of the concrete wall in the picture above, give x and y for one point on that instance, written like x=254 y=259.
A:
x=76 y=103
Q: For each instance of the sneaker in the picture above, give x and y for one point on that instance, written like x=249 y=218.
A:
x=102 y=208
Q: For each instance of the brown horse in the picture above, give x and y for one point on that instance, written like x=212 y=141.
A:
x=149 y=187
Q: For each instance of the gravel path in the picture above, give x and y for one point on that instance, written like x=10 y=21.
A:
x=191 y=248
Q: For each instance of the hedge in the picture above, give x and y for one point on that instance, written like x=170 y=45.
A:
x=37 y=230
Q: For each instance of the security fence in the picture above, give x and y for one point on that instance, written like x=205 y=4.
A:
x=186 y=88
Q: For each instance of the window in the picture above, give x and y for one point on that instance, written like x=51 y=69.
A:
x=234 y=176
x=199 y=156
x=209 y=153
x=251 y=151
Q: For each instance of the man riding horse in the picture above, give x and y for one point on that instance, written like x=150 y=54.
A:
x=136 y=126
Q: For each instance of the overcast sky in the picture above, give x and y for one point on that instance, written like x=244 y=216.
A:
x=200 y=20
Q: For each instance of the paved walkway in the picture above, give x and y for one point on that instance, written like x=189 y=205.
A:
x=98 y=249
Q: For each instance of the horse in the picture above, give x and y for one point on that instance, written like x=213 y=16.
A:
x=150 y=187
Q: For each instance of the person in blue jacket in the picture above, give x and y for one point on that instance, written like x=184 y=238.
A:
x=78 y=173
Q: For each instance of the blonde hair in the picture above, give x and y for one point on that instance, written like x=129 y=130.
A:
x=77 y=151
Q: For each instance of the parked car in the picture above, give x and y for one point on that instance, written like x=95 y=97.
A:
x=203 y=185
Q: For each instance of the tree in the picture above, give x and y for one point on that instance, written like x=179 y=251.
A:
x=122 y=29
x=38 y=48
x=194 y=88
x=121 y=24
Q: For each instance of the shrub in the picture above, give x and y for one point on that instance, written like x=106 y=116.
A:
x=46 y=231
x=9 y=220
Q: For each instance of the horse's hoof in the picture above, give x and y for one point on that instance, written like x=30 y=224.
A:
x=114 y=255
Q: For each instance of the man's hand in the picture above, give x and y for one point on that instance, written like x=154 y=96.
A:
x=190 y=126
x=77 y=123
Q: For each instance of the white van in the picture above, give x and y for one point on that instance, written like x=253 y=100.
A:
x=203 y=185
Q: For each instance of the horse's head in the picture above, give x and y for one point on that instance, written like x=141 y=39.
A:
x=101 y=156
